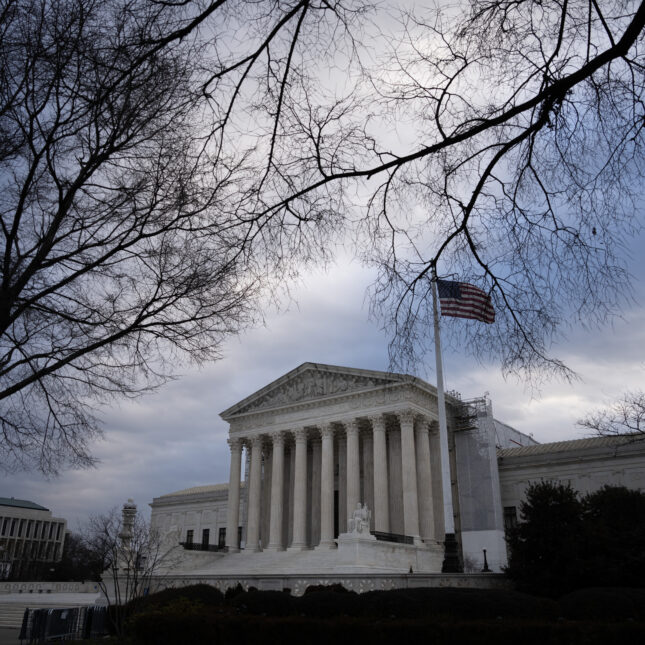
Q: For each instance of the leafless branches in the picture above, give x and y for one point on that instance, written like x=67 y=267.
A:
x=626 y=416
x=130 y=176
x=501 y=142
x=130 y=556
x=163 y=163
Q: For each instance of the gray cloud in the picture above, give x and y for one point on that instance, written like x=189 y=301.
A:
x=174 y=438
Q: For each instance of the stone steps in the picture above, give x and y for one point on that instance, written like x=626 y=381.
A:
x=11 y=614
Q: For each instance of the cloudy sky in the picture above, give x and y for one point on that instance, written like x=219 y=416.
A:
x=175 y=439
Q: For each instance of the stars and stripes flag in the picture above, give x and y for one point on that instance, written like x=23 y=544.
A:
x=463 y=300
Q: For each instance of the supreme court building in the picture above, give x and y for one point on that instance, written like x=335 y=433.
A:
x=337 y=471
x=312 y=447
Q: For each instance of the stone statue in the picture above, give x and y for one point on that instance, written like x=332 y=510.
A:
x=359 y=522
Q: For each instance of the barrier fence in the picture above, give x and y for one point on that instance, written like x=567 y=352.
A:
x=49 y=624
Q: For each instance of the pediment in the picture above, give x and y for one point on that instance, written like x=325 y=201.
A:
x=310 y=382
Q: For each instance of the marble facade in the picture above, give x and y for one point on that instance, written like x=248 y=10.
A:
x=325 y=449
x=310 y=447
x=322 y=439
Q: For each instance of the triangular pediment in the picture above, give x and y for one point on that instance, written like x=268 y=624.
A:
x=309 y=382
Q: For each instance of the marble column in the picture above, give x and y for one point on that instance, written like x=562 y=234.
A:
x=277 y=485
x=253 y=523
x=409 y=476
x=424 y=481
x=327 y=488
x=381 y=492
x=353 y=467
x=300 y=493
x=233 y=507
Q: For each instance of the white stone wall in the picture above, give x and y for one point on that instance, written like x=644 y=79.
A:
x=191 y=510
x=586 y=464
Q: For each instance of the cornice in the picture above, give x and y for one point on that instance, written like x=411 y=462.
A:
x=624 y=452
x=391 y=397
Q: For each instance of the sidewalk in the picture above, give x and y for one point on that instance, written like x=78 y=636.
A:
x=9 y=636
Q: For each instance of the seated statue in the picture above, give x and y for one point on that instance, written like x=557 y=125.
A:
x=359 y=522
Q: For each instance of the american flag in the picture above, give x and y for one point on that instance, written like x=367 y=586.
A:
x=463 y=300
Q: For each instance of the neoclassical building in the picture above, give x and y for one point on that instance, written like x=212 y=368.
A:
x=312 y=446
x=336 y=475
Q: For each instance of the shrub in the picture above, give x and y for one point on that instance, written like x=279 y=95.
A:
x=604 y=603
x=565 y=543
x=324 y=603
x=544 y=548
x=206 y=595
x=267 y=603
x=335 y=587
x=231 y=592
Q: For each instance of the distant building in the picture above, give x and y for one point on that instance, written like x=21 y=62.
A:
x=31 y=539
x=196 y=517
x=586 y=464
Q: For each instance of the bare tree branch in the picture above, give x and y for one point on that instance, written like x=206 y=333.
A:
x=626 y=416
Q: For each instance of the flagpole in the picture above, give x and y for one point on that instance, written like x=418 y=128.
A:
x=451 y=557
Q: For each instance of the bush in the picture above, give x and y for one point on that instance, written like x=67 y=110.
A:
x=206 y=595
x=565 y=543
x=544 y=548
x=266 y=603
x=604 y=603
x=325 y=604
x=231 y=592
x=336 y=587
x=210 y=629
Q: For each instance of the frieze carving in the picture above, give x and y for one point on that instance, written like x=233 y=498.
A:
x=314 y=385
x=267 y=420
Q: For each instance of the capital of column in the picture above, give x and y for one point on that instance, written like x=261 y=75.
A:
x=278 y=438
x=326 y=430
x=300 y=435
x=256 y=441
x=406 y=416
x=235 y=444
x=378 y=422
x=351 y=426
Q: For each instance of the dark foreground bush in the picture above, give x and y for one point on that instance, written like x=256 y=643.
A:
x=438 y=616
x=254 y=630
x=336 y=587
x=604 y=603
x=455 y=603
x=264 y=603
x=206 y=595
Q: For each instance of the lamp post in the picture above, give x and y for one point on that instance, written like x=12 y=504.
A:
x=485 y=569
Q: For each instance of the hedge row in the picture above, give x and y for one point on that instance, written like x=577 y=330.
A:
x=470 y=604
x=211 y=629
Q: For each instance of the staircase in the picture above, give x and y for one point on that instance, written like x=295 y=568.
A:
x=11 y=614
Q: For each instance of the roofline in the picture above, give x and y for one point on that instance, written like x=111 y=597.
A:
x=22 y=503
x=394 y=376
x=562 y=450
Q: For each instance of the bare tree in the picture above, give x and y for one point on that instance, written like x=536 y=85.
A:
x=500 y=141
x=127 y=244
x=130 y=552
x=626 y=416
x=163 y=163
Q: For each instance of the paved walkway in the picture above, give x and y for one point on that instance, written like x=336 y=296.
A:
x=9 y=636
x=50 y=599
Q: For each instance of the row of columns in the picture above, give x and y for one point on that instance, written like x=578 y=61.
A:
x=416 y=473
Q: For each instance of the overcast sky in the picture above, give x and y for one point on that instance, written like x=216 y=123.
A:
x=175 y=439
